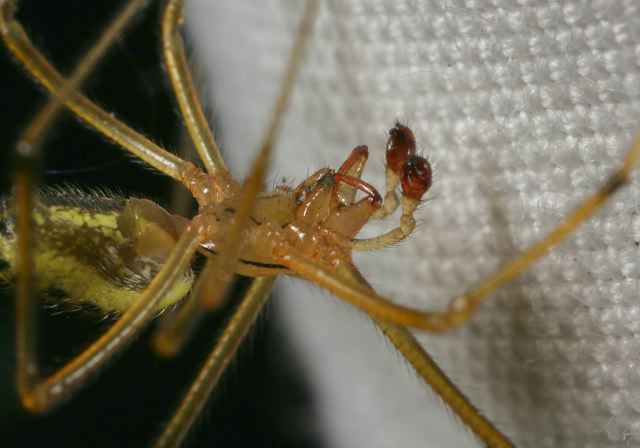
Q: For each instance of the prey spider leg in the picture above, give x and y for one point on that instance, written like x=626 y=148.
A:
x=177 y=67
x=134 y=318
x=216 y=276
x=32 y=391
x=307 y=231
x=17 y=41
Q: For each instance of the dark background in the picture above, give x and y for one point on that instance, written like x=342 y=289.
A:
x=263 y=398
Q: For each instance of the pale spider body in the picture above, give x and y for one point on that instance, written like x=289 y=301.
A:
x=308 y=231
x=317 y=217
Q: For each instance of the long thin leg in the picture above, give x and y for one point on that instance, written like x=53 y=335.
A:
x=464 y=306
x=178 y=69
x=39 y=395
x=23 y=49
x=217 y=274
x=293 y=65
x=438 y=381
x=174 y=330
x=220 y=357
x=229 y=249
x=41 y=122
x=27 y=149
x=432 y=375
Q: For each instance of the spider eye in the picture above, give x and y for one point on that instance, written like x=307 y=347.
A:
x=416 y=177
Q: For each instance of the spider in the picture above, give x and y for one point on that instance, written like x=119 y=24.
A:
x=336 y=190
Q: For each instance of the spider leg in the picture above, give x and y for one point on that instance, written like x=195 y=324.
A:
x=293 y=65
x=39 y=395
x=461 y=308
x=393 y=236
x=34 y=394
x=176 y=327
x=27 y=151
x=38 y=126
x=430 y=372
x=23 y=49
x=437 y=380
x=217 y=275
x=223 y=352
x=178 y=69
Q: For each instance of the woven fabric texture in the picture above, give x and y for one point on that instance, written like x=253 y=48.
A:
x=524 y=107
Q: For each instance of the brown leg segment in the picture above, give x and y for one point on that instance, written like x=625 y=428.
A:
x=222 y=354
x=23 y=49
x=39 y=395
x=437 y=380
x=27 y=149
x=178 y=69
x=433 y=376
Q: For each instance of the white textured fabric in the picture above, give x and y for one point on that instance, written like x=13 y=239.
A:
x=526 y=107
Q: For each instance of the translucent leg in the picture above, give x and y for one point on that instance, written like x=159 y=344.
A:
x=175 y=329
x=27 y=370
x=437 y=380
x=431 y=374
x=222 y=354
x=178 y=70
x=39 y=395
x=463 y=307
x=231 y=243
x=41 y=122
x=394 y=236
x=217 y=275
x=293 y=65
x=23 y=49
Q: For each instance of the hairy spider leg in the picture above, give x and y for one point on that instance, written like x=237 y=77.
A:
x=175 y=61
x=217 y=274
x=17 y=41
x=214 y=366
x=134 y=144
x=460 y=308
x=36 y=393
x=429 y=371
